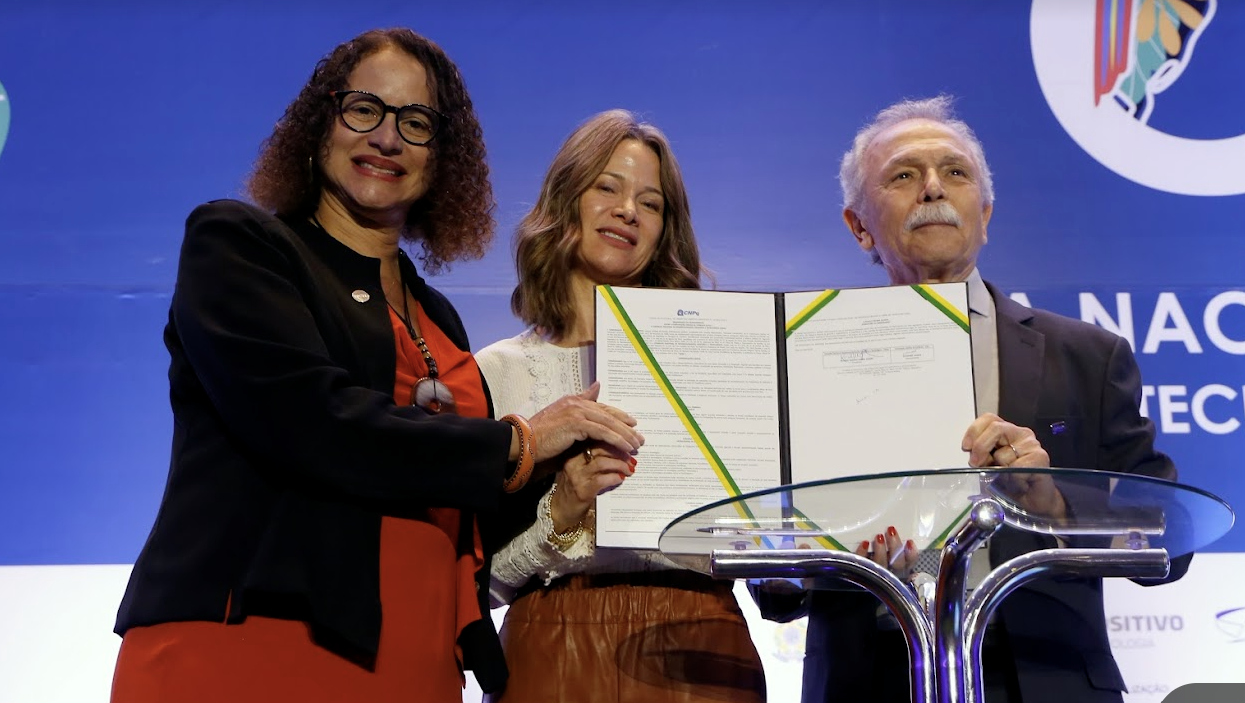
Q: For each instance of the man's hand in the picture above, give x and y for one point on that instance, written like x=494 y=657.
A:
x=1036 y=493
x=993 y=441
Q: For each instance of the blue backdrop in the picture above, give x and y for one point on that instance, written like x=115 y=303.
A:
x=120 y=119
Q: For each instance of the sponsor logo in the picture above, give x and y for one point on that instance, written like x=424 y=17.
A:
x=1232 y=623
x=1122 y=643
x=691 y=313
x=1102 y=67
x=1140 y=631
x=789 y=640
x=1148 y=689
x=1145 y=623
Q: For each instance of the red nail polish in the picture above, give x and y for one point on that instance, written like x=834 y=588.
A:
x=864 y=546
x=892 y=531
x=631 y=460
x=911 y=546
x=881 y=539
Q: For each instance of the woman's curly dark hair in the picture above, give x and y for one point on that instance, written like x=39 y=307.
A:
x=454 y=219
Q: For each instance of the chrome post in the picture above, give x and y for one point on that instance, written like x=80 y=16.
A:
x=898 y=598
x=984 y=519
x=1015 y=572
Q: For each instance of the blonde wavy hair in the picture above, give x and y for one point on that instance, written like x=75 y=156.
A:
x=547 y=239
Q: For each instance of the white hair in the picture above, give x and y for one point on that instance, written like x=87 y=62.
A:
x=938 y=109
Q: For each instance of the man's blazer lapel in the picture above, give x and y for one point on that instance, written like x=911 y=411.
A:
x=1021 y=350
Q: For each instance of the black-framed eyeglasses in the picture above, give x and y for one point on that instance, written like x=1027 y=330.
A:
x=363 y=112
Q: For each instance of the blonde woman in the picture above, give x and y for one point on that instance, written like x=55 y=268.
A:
x=587 y=623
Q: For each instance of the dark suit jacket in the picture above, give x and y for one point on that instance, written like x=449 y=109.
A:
x=1051 y=369
x=287 y=446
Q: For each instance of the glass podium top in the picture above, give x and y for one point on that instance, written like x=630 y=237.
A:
x=1094 y=508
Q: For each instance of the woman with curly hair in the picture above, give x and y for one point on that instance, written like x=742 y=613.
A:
x=333 y=455
x=616 y=625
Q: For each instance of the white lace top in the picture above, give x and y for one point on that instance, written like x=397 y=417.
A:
x=525 y=374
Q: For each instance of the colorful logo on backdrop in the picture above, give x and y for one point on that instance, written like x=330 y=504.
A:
x=1134 y=61
x=1103 y=67
x=4 y=116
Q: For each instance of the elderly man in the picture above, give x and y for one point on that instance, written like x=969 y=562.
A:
x=1051 y=391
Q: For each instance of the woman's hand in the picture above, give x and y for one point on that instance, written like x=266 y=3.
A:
x=585 y=476
x=891 y=551
x=580 y=418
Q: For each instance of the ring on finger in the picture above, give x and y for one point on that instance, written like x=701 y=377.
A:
x=588 y=457
x=1014 y=451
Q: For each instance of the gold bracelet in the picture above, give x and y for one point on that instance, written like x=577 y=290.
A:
x=561 y=540
x=527 y=453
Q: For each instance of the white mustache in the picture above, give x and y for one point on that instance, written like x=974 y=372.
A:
x=940 y=213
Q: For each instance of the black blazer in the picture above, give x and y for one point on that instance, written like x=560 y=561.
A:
x=287 y=445
x=1051 y=369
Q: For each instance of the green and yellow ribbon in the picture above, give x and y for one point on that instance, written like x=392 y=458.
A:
x=826 y=541
x=667 y=388
x=811 y=309
x=952 y=312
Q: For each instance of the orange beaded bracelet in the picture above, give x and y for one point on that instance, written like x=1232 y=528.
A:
x=527 y=453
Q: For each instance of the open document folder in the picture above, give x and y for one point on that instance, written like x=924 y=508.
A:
x=737 y=392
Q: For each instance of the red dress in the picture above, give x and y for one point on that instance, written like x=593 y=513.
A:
x=427 y=595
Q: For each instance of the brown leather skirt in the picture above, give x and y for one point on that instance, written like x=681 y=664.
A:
x=653 y=637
